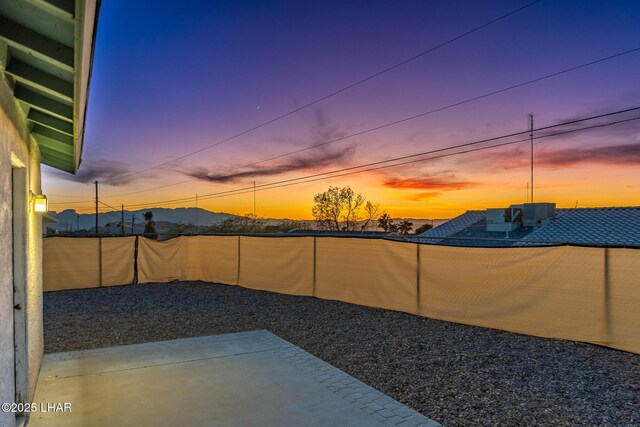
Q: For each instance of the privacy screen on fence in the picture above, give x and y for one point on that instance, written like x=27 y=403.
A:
x=578 y=293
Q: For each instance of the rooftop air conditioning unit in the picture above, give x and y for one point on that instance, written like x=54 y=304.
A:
x=505 y=220
x=537 y=214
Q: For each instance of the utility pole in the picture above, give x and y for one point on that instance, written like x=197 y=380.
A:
x=254 y=200
x=77 y=223
x=122 y=219
x=133 y=220
x=196 y=209
x=97 y=231
x=531 y=141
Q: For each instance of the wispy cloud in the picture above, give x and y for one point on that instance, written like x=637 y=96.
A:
x=432 y=186
x=421 y=197
x=622 y=155
x=300 y=163
x=440 y=183
x=628 y=154
x=321 y=129
x=102 y=170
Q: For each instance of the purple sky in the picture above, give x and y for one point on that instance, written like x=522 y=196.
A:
x=169 y=80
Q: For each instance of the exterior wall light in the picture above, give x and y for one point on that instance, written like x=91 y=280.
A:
x=40 y=203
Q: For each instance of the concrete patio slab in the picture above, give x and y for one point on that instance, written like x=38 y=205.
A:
x=243 y=379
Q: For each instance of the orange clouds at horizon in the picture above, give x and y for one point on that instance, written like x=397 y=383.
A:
x=437 y=196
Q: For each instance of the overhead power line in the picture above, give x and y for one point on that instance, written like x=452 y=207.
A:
x=406 y=119
x=283 y=184
x=109 y=206
x=334 y=93
x=71 y=203
x=114 y=209
x=358 y=169
x=436 y=110
x=70 y=196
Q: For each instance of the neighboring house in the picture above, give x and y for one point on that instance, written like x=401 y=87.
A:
x=46 y=51
x=619 y=226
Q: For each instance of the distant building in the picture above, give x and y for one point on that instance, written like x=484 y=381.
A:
x=520 y=225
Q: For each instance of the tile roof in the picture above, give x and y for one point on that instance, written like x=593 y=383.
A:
x=616 y=226
x=454 y=225
x=597 y=226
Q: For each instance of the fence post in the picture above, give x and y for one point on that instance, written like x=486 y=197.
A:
x=135 y=261
x=238 y=274
x=314 y=266
x=417 y=278
x=607 y=294
x=100 y=261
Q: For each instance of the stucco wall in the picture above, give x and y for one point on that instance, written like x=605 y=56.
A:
x=35 y=337
x=15 y=140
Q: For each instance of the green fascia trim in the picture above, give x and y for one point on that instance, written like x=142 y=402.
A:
x=41 y=102
x=31 y=76
x=51 y=122
x=36 y=44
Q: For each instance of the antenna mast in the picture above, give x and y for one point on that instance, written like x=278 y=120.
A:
x=531 y=141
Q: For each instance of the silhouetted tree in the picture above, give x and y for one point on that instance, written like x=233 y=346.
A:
x=341 y=209
x=386 y=223
x=287 y=225
x=424 y=227
x=405 y=226
x=240 y=224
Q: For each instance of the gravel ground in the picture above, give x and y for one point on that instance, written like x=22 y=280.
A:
x=458 y=375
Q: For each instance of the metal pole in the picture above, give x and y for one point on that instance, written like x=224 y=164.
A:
x=122 y=220
x=531 y=141
x=238 y=279
x=133 y=220
x=418 y=278
x=97 y=231
x=254 y=199
x=135 y=262
x=607 y=294
x=100 y=261
x=314 y=267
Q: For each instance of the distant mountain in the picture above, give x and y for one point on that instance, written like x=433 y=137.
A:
x=70 y=220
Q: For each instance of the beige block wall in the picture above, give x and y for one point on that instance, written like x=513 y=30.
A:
x=15 y=142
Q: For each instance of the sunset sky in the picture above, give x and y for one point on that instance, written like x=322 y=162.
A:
x=168 y=81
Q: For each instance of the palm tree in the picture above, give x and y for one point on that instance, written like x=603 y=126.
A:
x=405 y=226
